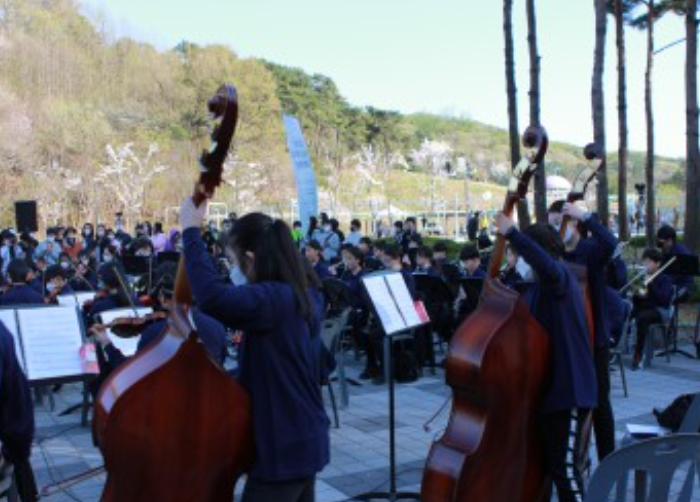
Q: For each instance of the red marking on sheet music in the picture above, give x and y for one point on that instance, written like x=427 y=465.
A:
x=422 y=313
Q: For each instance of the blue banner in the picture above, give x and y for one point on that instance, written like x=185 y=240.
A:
x=307 y=193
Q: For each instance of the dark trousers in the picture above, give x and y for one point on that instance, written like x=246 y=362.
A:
x=603 y=418
x=644 y=318
x=303 y=490
x=26 y=485
x=561 y=434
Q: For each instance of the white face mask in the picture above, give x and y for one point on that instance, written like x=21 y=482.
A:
x=237 y=276
x=327 y=228
x=107 y=258
x=51 y=238
x=51 y=287
x=65 y=265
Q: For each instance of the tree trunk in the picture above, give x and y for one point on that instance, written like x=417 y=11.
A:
x=622 y=119
x=650 y=216
x=512 y=91
x=540 y=176
x=598 y=103
x=692 y=191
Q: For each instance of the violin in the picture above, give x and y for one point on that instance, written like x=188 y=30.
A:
x=170 y=422
x=497 y=367
x=130 y=327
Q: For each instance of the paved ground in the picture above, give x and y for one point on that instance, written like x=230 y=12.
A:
x=359 y=460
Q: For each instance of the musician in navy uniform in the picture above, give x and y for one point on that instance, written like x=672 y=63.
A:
x=16 y=418
x=424 y=260
x=20 y=293
x=595 y=253
x=652 y=305
x=666 y=240
x=279 y=359
x=210 y=331
x=314 y=253
x=556 y=302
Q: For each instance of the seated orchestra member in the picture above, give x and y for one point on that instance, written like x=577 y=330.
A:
x=439 y=255
x=50 y=249
x=555 y=301
x=112 y=293
x=595 y=252
x=279 y=358
x=470 y=259
x=84 y=278
x=425 y=263
x=666 y=240
x=374 y=369
x=510 y=276
x=20 y=293
x=365 y=245
x=16 y=419
x=554 y=213
x=314 y=253
x=210 y=331
x=56 y=283
x=355 y=234
x=352 y=275
x=652 y=305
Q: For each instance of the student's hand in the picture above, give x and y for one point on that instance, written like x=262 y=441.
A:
x=574 y=212
x=190 y=215
x=503 y=223
x=99 y=332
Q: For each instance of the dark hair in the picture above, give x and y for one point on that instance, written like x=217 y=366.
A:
x=548 y=238
x=324 y=218
x=653 y=254
x=398 y=224
x=313 y=225
x=334 y=224
x=311 y=276
x=64 y=255
x=142 y=243
x=366 y=240
x=356 y=223
x=51 y=231
x=110 y=273
x=356 y=253
x=71 y=229
x=158 y=227
x=297 y=223
x=666 y=233
x=484 y=241
x=425 y=252
x=556 y=206
x=164 y=280
x=411 y=219
x=277 y=257
x=440 y=247
x=18 y=270
x=314 y=244
x=392 y=251
x=55 y=271
x=468 y=252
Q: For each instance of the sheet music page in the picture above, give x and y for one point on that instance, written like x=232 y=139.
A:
x=52 y=339
x=403 y=300
x=70 y=300
x=127 y=346
x=8 y=319
x=384 y=304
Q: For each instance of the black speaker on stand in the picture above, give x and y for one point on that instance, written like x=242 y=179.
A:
x=25 y=216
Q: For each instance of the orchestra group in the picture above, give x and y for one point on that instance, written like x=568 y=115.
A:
x=259 y=285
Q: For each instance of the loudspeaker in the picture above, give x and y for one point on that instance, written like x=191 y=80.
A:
x=25 y=216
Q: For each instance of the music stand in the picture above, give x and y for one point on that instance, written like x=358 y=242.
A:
x=393 y=306
x=168 y=256
x=687 y=265
x=472 y=287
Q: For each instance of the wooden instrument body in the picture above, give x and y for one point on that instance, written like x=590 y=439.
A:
x=497 y=367
x=171 y=423
x=191 y=444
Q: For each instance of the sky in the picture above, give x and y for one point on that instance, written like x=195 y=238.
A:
x=441 y=56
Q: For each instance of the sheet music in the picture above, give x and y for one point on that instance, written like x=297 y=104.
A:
x=384 y=304
x=127 y=346
x=10 y=321
x=403 y=299
x=72 y=300
x=52 y=339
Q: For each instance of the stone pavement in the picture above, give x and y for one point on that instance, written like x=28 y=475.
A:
x=359 y=459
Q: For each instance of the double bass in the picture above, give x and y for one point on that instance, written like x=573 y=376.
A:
x=586 y=175
x=171 y=423
x=497 y=367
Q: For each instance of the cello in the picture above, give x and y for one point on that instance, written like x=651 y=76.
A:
x=171 y=423
x=497 y=367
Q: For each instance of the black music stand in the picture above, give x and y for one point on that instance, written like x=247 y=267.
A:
x=391 y=307
x=688 y=266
